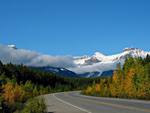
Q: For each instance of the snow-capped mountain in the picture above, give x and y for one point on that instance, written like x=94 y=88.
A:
x=85 y=66
x=100 y=63
x=99 y=57
x=12 y=46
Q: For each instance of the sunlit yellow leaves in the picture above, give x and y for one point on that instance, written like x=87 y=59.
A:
x=13 y=93
x=131 y=81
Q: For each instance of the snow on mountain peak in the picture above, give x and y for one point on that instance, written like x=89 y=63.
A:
x=100 y=63
x=130 y=49
x=12 y=46
x=98 y=55
x=136 y=52
x=80 y=65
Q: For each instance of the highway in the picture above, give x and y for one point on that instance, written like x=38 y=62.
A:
x=74 y=102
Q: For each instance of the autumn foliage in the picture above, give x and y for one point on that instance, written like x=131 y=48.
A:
x=132 y=80
x=19 y=85
x=13 y=93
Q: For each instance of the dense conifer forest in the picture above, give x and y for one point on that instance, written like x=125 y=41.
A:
x=19 y=84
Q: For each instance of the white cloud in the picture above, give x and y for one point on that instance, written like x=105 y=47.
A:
x=99 y=67
x=31 y=58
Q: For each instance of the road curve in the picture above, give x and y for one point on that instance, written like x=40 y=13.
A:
x=74 y=102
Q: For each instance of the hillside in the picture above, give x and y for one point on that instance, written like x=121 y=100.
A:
x=19 y=84
x=130 y=81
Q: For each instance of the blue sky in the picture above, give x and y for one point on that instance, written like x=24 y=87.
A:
x=75 y=27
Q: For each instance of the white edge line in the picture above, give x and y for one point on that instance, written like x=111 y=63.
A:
x=71 y=104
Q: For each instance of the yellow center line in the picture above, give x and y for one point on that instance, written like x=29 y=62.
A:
x=114 y=105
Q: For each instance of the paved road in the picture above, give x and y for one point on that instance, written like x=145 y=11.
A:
x=73 y=102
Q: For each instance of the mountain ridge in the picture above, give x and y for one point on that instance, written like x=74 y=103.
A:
x=101 y=63
x=89 y=66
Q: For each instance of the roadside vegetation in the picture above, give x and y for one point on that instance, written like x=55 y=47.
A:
x=132 y=80
x=19 y=85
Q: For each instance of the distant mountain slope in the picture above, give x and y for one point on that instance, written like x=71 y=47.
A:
x=85 y=66
x=58 y=71
x=99 y=63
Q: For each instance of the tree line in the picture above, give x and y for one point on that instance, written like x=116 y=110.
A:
x=132 y=80
x=19 y=84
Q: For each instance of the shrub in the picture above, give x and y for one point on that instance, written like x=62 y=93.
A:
x=35 y=106
x=13 y=93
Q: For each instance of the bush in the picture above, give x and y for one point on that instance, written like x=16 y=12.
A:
x=13 y=93
x=35 y=106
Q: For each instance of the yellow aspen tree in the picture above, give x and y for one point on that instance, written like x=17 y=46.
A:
x=13 y=93
x=129 y=86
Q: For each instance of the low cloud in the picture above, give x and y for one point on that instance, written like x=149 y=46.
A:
x=98 y=67
x=31 y=58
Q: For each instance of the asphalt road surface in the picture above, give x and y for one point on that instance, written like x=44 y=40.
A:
x=74 y=102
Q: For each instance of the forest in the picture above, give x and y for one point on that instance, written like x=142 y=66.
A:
x=19 y=85
x=132 y=80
